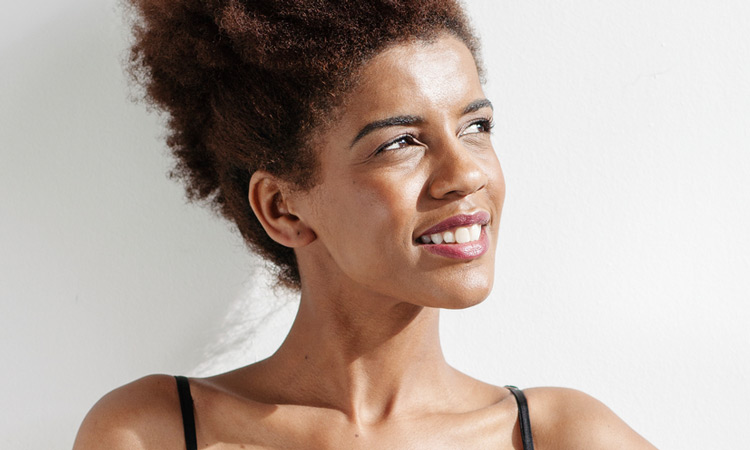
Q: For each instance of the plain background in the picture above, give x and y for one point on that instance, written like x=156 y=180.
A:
x=623 y=258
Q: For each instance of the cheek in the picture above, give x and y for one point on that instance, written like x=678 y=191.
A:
x=382 y=200
x=497 y=182
x=374 y=220
x=384 y=207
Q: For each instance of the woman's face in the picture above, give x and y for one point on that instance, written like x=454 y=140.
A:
x=407 y=168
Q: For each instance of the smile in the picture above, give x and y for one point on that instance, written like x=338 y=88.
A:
x=460 y=235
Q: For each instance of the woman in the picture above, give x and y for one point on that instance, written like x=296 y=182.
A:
x=350 y=143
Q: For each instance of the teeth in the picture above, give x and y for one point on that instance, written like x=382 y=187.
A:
x=460 y=235
x=475 y=231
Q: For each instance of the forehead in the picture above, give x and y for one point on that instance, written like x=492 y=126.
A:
x=416 y=75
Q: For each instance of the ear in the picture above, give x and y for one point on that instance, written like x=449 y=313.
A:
x=269 y=199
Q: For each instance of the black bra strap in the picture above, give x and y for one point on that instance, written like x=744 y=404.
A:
x=186 y=406
x=523 y=417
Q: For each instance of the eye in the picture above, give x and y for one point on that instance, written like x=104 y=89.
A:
x=479 y=126
x=406 y=140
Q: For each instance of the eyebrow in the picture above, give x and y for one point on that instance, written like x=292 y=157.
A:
x=411 y=120
x=476 y=105
x=384 y=123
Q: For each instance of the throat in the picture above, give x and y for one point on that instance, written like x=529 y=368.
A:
x=367 y=367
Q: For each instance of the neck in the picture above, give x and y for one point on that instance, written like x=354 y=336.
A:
x=369 y=359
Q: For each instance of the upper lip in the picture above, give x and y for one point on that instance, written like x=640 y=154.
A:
x=459 y=220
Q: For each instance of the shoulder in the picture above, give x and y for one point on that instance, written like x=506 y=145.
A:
x=570 y=419
x=143 y=414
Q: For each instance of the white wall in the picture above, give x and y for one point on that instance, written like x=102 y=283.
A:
x=623 y=264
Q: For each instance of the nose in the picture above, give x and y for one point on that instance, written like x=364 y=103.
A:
x=457 y=171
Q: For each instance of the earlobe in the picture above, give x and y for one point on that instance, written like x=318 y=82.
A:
x=269 y=197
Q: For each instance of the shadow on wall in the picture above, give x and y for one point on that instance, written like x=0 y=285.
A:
x=105 y=274
x=254 y=327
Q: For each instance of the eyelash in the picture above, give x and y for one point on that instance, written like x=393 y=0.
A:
x=410 y=140
x=486 y=124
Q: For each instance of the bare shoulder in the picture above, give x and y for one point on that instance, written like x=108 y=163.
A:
x=144 y=414
x=570 y=419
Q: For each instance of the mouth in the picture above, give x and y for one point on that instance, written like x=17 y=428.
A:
x=458 y=235
x=459 y=229
x=462 y=237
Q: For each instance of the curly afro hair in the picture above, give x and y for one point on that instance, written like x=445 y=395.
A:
x=243 y=84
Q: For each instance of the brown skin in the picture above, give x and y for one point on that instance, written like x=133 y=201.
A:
x=362 y=366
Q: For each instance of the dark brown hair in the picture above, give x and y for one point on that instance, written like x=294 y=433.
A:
x=244 y=82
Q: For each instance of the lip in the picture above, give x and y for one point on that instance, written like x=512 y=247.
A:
x=469 y=250
x=459 y=220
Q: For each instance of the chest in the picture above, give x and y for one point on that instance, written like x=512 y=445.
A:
x=314 y=428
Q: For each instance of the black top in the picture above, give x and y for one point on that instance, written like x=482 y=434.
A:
x=523 y=417
x=188 y=417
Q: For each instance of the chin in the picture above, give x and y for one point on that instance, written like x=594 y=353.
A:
x=464 y=301
x=466 y=291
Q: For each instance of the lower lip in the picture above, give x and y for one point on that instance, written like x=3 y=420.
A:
x=469 y=250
